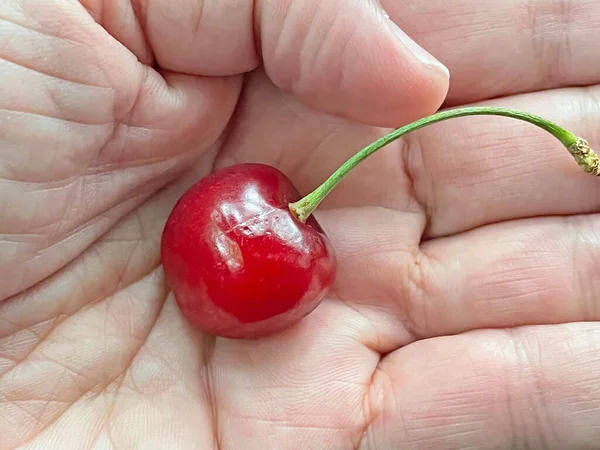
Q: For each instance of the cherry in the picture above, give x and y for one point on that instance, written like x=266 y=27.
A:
x=245 y=257
x=240 y=263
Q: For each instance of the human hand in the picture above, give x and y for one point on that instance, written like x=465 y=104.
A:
x=440 y=237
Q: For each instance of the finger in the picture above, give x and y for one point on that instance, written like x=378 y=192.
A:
x=342 y=58
x=536 y=45
x=121 y=19
x=478 y=170
x=91 y=137
x=534 y=387
x=536 y=271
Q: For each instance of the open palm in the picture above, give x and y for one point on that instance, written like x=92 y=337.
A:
x=465 y=310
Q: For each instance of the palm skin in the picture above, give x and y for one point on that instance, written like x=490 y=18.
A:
x=466 y=306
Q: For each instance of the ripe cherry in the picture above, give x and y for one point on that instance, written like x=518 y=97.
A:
x=245 y=257
x=239 y=262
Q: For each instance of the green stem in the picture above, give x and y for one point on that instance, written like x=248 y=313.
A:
x=578 y=147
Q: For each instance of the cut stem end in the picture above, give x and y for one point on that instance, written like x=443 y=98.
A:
x=585 y=157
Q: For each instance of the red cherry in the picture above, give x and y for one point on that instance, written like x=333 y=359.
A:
x=239 y=263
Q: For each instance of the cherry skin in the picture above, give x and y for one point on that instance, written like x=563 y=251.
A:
x=239 y=262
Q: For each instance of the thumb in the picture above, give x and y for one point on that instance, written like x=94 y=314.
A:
x=347 y=58
x=342 y=57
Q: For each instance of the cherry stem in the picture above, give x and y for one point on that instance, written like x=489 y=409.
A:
x=577 y=147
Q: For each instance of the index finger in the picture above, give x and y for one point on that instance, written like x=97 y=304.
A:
x=537 y=45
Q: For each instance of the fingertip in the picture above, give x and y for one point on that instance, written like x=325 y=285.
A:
x=389 y=88
x=418 y=52
x=399 y=82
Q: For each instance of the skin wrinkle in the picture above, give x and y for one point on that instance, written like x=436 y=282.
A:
x=63 y=314
x=40 y=32
x=123 y=282
x=378 y=411
x=410 y=145
x=31 y=177
x=417 y=290
x=57 y=321
x=145 y=54
x=60 y=240
x=95 y=171
x=80 y=227
x=67 y=80
x=49 y=424
x=133 y=385
x=287 y=27
x=375 y=346
x=309 y=38
x=521 y=429
x=552 y=55
x=143 y=238
x=369 y=412
x=49 y=116
x=199 y=16
x=542 y=433
x=124 y=120
x=210 y=348
x=69 y=210
x=578 y=279
x=16 y=326
x=35 y=187
x=98 y=388
x=254 y=26
x=121 y=378
x=542 y=416
x=21 y=408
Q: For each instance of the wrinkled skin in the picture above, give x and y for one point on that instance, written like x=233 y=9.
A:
x=465 y=313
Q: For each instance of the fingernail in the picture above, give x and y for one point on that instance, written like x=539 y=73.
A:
x=419 y=52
